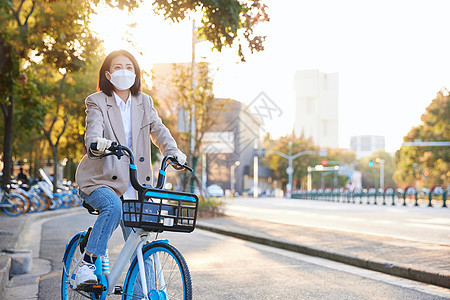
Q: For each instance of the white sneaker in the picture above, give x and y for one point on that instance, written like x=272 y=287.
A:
x=85 y=274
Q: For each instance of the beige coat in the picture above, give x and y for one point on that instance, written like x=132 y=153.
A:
x=103 y=119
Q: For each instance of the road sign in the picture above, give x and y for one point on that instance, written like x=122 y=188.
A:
x=324 y=162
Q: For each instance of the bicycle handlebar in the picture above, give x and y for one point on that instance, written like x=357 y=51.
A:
x=120 y=150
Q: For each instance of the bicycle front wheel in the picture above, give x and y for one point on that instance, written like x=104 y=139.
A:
x=166 y=272
x=72 y=256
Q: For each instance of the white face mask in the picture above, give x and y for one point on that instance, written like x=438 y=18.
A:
x=122 y=79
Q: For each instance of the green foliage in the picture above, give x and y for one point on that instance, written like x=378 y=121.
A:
x=9 y=69
x=43 y=38
x=427 y=166
x=300 y=165
x=50 y=43
x=210 y=207
x=223 y=23
x=207 y=108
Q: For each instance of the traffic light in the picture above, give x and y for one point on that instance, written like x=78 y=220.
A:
x=371 y=163
x=377 y=160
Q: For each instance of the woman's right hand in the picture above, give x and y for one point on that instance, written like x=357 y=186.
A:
x=102 y=143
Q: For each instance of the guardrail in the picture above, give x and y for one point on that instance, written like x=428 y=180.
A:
x=410 y=196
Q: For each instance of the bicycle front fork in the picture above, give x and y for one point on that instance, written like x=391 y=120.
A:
x=142 y=269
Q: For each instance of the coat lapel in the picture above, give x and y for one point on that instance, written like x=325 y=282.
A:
x=115 y=119
x=137 y=113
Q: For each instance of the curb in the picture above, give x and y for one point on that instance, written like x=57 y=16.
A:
x=383 y=267
x=5 y=265
x=6 y=260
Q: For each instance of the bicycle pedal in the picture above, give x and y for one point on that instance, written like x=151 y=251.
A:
x=91 y=288
x=118 y=290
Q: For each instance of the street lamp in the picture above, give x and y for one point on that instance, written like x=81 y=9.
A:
x=290 y=158
x=232 y=177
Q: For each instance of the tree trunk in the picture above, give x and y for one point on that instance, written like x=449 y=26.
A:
x=7 y=142
x=55 y=167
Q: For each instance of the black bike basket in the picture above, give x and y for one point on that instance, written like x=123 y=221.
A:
x=162 y=210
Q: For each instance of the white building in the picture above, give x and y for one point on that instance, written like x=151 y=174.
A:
x=365 y=145
x=316 y=113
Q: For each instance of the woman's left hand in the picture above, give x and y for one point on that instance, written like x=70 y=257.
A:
x=180 y=156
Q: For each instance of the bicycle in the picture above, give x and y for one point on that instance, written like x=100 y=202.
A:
x=30 y=193
x=13 y=204
x=157 y=270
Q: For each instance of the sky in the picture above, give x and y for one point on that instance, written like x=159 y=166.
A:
x=392 y=58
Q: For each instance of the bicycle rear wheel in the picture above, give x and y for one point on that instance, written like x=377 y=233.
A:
x=15 y=205
x=166 y=272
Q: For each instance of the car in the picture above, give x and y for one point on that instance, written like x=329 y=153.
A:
x=214 y=191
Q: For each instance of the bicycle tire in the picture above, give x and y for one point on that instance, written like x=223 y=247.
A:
x=18 y=205
x=47 y=201
x=42 y=203
x=174 y=268
x=66 y=200
x=35 y=204
x=71 y=257
x=75 y=200
x=27 y=204
x=56 y=202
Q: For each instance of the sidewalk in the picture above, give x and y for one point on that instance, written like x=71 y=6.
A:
x=11 y=229
x=424 y=262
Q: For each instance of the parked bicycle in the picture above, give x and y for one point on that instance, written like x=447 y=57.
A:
x=13 y=204
x=31 y=194
x=158 y=270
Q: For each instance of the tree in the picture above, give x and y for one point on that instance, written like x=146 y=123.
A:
x=56 y=33
x=9 y=72
x=300 y=165
x=183 y=97
x=77 y=86
x=371 y=174
x=427 y=166
x=224 y=23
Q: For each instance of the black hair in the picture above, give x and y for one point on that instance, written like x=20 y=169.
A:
x=106 y=86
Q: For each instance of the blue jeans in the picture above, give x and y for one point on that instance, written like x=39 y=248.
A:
x=109 y=205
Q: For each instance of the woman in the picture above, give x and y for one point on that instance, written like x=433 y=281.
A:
x=118 y=112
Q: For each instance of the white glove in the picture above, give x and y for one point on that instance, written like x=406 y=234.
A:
x=180 y=156
x=102 y=143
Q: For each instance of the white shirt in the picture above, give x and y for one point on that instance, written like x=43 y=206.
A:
x=125 y=111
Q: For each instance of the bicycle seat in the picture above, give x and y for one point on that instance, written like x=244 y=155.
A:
x=90 y=209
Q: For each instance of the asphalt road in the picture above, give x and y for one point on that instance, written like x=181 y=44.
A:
x=425 y=224
x=228 y=268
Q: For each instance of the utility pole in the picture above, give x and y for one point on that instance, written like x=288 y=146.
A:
x=192 y=127
x=290 y=170
x=255 y=171
x=232 y=177
x=290 y=158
